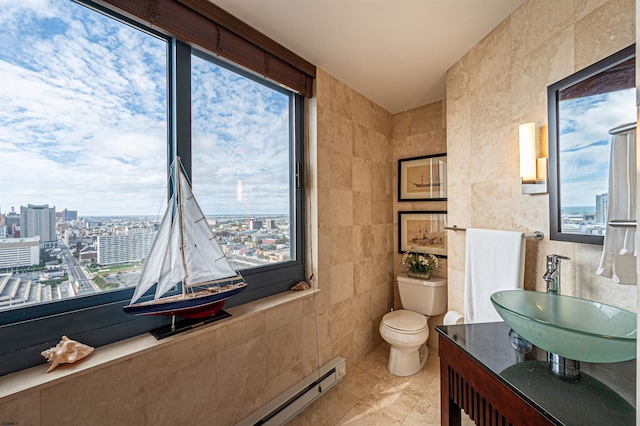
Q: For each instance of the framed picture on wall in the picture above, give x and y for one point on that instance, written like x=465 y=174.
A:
x=423 y=232
x=423 y=178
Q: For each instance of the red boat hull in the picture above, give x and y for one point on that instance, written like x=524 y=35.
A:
x=200 y=305
x=197 y=312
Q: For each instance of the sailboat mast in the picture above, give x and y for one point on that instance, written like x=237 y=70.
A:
x=179 y=217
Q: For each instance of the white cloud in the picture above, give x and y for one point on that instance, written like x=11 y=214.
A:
x=83 y=123
x=584 y=143
x=246 y=137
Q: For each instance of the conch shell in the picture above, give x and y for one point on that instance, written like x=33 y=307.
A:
x=302 y=285
x=67 y=351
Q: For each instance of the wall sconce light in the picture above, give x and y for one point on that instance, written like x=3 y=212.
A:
x=533 y=170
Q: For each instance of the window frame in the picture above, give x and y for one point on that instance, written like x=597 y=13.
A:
x=98 y=319
x=553 y=101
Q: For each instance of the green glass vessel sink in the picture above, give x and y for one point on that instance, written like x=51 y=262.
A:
x=570 y=327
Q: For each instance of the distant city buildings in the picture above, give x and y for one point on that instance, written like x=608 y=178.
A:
x=98 y=243
x=17 y=291
x=587 y=220
x=18 y=252
x=602 y=207
x=38 y=220
x=124 y=248
x=255 y=224
x=12 y=222
x=69 y=215
x=88 y=254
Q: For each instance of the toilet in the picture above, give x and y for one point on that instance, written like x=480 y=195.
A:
x=407 y=330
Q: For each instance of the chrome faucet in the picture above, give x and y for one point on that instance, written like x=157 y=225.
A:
x=559 y=365
x=552 y=276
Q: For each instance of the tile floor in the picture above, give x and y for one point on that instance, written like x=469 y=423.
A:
x=370 y=395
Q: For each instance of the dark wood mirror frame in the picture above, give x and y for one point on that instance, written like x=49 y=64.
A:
x=586 y=81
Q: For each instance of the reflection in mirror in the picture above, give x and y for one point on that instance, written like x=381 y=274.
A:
x=583 y=109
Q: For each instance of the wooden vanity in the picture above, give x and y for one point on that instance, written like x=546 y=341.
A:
x=482 y=374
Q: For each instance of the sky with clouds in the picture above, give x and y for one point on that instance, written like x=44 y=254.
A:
x=83 y=120
x=585 y=143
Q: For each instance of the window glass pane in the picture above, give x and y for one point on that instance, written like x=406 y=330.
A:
x=585 y=154
x=243 y=128
x=84 y=150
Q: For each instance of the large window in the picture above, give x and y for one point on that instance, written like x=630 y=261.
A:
x=84 y=150
x=93 y=109
x=243 y=127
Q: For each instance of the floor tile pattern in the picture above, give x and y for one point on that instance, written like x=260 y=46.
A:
x=370 y=395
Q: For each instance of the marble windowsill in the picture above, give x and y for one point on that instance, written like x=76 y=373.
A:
x=36 y=377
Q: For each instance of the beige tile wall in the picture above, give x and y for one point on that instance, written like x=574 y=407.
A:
x=500 y=83
x=417 y=132
x=349 y=184
x=352 y=183
x=212 y=376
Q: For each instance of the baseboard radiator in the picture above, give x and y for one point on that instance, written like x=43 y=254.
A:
x=289 y=403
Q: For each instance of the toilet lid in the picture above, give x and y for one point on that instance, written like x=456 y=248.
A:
x=403 y=320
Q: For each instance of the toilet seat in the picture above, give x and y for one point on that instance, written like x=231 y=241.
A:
x=405 y=322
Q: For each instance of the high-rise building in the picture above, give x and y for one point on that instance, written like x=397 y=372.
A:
x=38 y=220
x=602 y=207
x=255 y=224
x=69 y=215
x=118 y=249
x=271 y=224
x=12 y=221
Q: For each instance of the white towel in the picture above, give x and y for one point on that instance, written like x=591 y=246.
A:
x=619 y=250
x=494 y=262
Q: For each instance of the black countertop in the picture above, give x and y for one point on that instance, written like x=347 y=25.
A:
x=605 y=394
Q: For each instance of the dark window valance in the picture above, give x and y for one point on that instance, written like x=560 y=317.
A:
x=205 y=25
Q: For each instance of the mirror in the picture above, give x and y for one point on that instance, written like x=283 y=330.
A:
x=583 y=108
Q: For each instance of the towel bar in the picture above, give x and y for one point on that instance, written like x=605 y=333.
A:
x=622 y=223
x=537 y=234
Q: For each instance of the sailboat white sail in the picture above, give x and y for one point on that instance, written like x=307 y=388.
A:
x=204 y=259
x=185 y=252
x=153 y=263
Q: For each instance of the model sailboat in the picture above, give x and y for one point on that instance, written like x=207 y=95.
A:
x=185 y=253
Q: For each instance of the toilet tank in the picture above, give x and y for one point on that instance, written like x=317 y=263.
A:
x=427 y=297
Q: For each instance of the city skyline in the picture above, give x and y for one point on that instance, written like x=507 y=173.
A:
x=108 y=256
x=4 y=211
